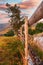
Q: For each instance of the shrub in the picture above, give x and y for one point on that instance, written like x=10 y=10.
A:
x=31 y=32
x=9 y=33
x=38 y=29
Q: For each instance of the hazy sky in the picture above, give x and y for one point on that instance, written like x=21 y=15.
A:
x=27 y=8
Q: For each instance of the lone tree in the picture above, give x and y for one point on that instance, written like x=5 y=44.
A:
x=16 y=20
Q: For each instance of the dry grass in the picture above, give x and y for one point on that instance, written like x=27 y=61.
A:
x=4 y=40
x=9 y=52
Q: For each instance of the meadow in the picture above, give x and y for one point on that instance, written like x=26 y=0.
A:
x=9 y=51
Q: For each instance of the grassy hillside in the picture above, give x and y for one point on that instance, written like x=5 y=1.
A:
x=9 y=51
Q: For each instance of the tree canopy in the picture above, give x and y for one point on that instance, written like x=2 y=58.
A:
x=16 y=19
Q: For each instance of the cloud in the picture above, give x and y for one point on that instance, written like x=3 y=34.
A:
x=25 y=4
x=29 y=4
x=3 y=15
x=3 y=6
x=35 y=2
x=24 y=0
x=4 y=20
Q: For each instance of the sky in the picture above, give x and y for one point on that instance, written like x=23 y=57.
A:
x=27 y=8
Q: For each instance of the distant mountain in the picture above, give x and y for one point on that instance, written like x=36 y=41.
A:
x=4 y=26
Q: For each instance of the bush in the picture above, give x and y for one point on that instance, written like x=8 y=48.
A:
x=31 y=32
x=9 y=33
x=38 y=29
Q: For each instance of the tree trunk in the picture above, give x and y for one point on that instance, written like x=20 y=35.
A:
x=26 y=41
